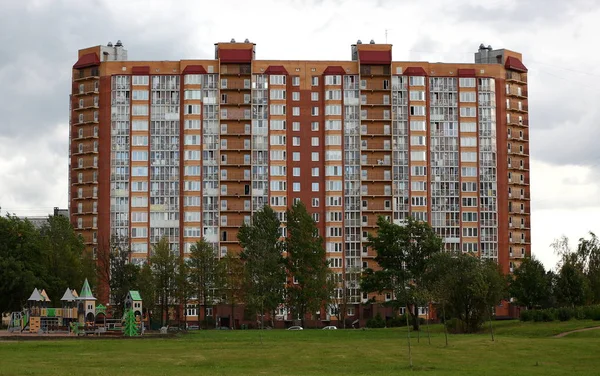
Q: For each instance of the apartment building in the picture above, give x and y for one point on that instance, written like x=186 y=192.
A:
x=191 y=148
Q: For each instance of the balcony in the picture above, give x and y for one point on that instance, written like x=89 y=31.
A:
x=516 y=77
x=85 y=119
x=87 y=88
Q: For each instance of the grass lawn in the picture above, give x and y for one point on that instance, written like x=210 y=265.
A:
x=520 y=349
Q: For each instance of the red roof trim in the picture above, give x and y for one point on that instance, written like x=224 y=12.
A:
x=375 y=57
x=467 y=73
x=415 y=71
x=276 y=69
x=194 y=69
x=87 y=60
x=515 y=64
x=235 y=56
x=334 y=70
x=145 y=70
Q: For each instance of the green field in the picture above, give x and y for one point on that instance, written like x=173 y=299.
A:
x=519 y=349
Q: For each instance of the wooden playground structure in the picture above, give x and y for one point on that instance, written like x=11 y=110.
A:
x=78 y=315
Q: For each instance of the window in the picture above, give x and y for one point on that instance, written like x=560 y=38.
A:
x=468 y=127
x=333 y=80
x=468 y=156
x=315 y=170
x=277 y=140
x=314 y=156
x=417 y=95
x=418 y=170
x=192 y=140
x=296 y=186
x=296 y=156
x=277 y=170
x=139 y=110
x=418 y=186
x=469 y=171
x=469 y=232
x=314 y=81
x=469 y=216
x=277 y=109
x=333 y=125
x=192 y=109
x=277 y=125
x=417 y=110
x=315 y=187
x=466 y=82
x=334 y=109
x=296 y=96
x=416 y=81
x=140 y=80
x=417 y=125
x=296 y=81
x=296 y=126
x=418 y=156
x=139 y=171
x=314 y=111
x=296 y=111
x=314 y=96
x=468 y=141
x=277 y=94
x=314 y=141
x=296 y=171
x=278 y=185
x=468 y=111
x=140 y=95
x=418 y=140
x=333 y=140
x=315 y=202
x=469 y=202
x=467 y=96
x=333 y=95
x=418 y=201
x=277 y=79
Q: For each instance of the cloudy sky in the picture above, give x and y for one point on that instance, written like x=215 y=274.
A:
x=39 y=40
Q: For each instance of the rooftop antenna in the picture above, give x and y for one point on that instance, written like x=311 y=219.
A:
x=386 y=32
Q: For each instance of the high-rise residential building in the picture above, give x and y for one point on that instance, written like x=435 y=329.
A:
x=189 y=149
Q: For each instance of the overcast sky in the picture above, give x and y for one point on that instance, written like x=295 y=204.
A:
x=39 y=40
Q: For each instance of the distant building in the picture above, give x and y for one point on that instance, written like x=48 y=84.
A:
x=40 y=221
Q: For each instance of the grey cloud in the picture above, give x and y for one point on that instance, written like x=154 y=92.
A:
x=527 y=14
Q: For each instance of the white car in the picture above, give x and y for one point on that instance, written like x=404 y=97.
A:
x=330 y=327
x=296 y=327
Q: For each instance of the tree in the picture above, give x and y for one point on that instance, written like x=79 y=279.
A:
x=232 y=282
x=164 y=266
x=402 y=254
x=64 y=256
x=466 y=287
x=529 y=285
x=183 y=289
x=263 y=262
x=203 y=269
x=572 y=288
x=146 y=285
x=310 y=288
x=122 y=274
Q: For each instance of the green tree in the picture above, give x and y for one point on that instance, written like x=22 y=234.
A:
x=529 y=285
x=21 y=262
x=467 y=287
x=402 y=254
x=310 y=288
x=64 y=256
x=263 y=262
x=203 y=269
x=146 y=285
x=572 y=288
x=183 y=289
x=123 y=275
x=164 y=266
x=232 y=282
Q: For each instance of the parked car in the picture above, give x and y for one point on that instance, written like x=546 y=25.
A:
x=296 y=327
x=330 y=327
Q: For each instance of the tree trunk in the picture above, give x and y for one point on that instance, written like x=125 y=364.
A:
x=408 y=336
x=427 y=323
x=415 y=318
x=445 y=326
x=232 y=314
x=491 y=326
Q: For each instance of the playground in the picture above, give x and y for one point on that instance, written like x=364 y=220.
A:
x=519 y=349
x=78 y=316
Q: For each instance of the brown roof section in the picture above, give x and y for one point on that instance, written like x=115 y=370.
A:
x=145 y=70
x=415 y=71
x=375 y=57
x=334 y=70
x=466 y=73
x=515 y=64
x=235 y=56
x=87 y=60
x=194 y=69
x=276 y=69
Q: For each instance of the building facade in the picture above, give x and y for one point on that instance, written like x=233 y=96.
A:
x=189 y=149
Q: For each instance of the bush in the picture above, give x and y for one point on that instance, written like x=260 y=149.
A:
x=565 y=314
x=376 y=322
x=455 y=326
x=527 y=315
x=397 y=321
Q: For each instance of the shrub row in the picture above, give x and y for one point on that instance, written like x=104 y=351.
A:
x=394 y=322
x=562 y=314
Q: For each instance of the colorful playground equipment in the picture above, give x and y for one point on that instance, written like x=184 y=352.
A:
x=78 y=315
